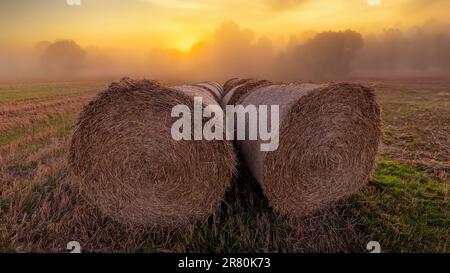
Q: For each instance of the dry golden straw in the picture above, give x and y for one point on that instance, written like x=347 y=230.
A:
x=130 y=167
x=329 y=136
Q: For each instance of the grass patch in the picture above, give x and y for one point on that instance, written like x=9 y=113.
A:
x=4 y=247
x=35 y=91
x=11 y=136
x=405 y=209
x=64 y=124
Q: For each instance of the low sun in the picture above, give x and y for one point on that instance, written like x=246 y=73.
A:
x=374 y=2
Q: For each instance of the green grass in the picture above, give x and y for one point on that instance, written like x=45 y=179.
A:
x=34 y=91
x=4 y=247
x=11 y=136
x=405 y=209
x=62 y=122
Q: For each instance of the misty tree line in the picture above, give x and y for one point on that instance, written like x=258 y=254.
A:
x=393 y=50
x=327 y=55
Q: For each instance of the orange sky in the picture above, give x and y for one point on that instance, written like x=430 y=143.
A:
x=141 y=24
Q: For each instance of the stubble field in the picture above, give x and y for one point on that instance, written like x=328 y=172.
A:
x=405 y=207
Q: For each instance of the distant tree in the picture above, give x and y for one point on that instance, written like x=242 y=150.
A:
x=442 y=52
x=394 y=49
x=328 y=55
x=64 y=56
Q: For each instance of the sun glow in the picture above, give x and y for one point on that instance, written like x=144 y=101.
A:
x=179 y=24
x=184 y=44
x=374 y=2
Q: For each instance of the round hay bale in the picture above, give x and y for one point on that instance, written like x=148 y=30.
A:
x=328 y=140
x=132 y=169
x=214 y=88
x=232 y=83
x=235 y=89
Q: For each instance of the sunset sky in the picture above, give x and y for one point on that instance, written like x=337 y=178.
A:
x=181 y=23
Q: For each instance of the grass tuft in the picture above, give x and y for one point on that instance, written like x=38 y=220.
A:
x=405 y=209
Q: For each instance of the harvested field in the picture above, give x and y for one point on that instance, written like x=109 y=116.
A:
x=405 y=206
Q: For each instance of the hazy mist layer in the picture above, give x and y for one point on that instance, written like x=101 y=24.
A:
x=195 y=40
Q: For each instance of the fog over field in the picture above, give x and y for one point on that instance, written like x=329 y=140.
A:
x=237 y=51
x=274 y=39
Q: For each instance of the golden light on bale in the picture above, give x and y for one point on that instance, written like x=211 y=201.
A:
x=131 y=168
x=328 y=140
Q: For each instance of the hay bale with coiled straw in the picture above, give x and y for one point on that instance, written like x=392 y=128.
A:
x=328 y=140
x=131 y=168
